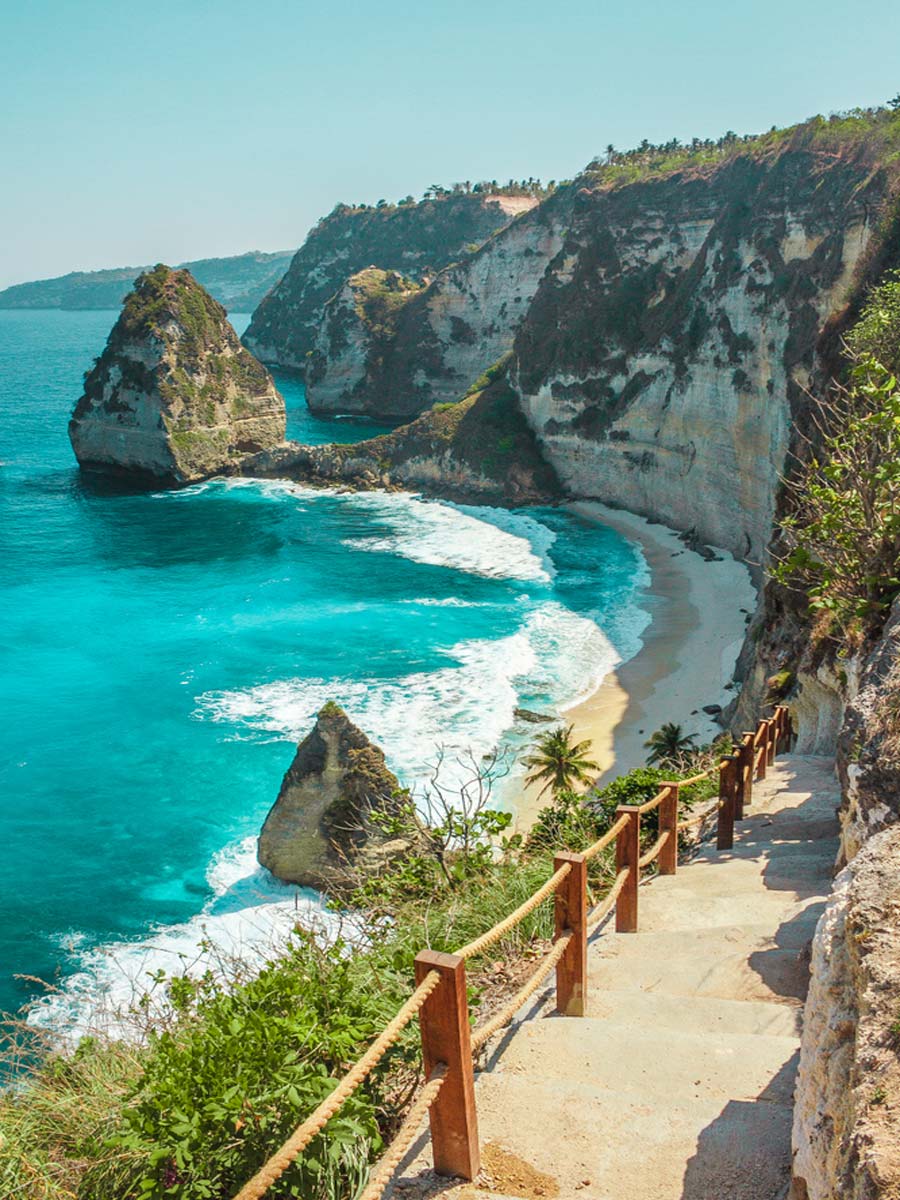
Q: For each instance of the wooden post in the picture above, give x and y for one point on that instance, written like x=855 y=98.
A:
x=667 y=863
x=571 y=915
x=628 y=851
x=760 y=745
x=725 y=829
x=446 y=1038
x=748 y=746
x=771 y=738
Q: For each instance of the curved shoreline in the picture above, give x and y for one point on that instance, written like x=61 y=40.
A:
x=699 y=612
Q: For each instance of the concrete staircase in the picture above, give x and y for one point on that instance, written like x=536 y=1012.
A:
x=677 y=1085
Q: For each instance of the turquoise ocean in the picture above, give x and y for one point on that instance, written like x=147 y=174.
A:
x=161 y=654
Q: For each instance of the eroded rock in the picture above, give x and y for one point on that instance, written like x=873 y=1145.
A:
x=320 y=824
x=174 y=397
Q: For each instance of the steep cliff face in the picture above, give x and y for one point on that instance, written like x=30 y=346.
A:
x=846 y=1140
x=320 y=822
x=439 y=338
x=664 y=355
x=174 y=397
x=413 y=239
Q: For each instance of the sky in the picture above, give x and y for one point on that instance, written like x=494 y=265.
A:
x=132 y=133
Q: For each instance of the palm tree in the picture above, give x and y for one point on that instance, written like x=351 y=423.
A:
x=559 y=761
x=669 y=745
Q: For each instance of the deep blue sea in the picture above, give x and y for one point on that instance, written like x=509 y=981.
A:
x=160 y=655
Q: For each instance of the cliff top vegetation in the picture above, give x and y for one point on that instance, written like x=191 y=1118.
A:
x=878 y=128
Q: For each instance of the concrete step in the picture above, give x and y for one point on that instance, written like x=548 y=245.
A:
x=613 y=1145
x=658 y=1065
x=702 y=1014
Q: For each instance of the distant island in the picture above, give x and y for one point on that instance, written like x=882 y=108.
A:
x=239 y=282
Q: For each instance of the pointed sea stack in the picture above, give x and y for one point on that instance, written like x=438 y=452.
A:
x=174 y=397
x=319 y=825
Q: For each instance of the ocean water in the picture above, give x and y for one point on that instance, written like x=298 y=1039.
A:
x=160 y=654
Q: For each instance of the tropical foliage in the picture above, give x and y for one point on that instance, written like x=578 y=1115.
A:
x=559 y=762
x=669 y=745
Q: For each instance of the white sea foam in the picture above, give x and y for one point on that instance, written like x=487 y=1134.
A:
x=448 y=535
x=247 y=921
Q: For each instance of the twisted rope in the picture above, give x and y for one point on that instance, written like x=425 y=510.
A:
x=503 y=927
x=610 y=836
x=506 y=1014
x=649 y=805
x=381 y=1173
x=693 y=779
x=597 y=915
x=646 y=859
x=276 y=1166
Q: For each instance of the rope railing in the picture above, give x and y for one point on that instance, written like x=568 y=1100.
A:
x=646 y=859
x=608 y=838
x=605 y=907
x=278 y=1163
x=380 y=1175
x=509 y=1010
x=440 y=997
x=655 y=802
x=480 y=944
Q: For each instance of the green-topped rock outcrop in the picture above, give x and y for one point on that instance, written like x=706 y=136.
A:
x=320 y=826
x=174 y=397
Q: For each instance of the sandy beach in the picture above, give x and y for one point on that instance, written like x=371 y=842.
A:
x=698 y=615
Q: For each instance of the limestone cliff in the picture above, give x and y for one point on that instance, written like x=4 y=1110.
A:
x=436 y=339
x=320 y=822
x=174 y=397
x=480 y=449
x=663 y=359
x=413 y=239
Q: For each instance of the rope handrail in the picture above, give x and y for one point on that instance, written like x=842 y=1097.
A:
x=381 y=1173
x=503 y=927
x=610 y=836
x=646 y=859
x=699 y=818
x=279 y=1162
x=509 y=1010
x=681 y=783
x=655 y=802
x=606 y=906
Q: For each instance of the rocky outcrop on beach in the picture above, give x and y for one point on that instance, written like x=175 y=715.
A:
x=414 y=239
x=320 y=826
x=174 y=397
x=480 y=450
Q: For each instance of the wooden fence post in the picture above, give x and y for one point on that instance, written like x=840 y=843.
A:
x=570 y=914
x=446 y=1038
x=628 y=851
x=748 y=746
x=771 y=739
x=727 y=779
x=667 y=862
x=759 y=747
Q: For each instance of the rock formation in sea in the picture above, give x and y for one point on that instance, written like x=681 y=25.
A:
x=414 y=239
x=320 y=824
x=174 y=397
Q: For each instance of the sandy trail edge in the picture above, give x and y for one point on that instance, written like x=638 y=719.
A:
x=698 y=615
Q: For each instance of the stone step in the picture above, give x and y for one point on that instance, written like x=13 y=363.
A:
x=614 y=1145
x=632 y=1057
x=702 y=1014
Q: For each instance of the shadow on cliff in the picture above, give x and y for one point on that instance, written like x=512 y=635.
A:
x=745 y=1153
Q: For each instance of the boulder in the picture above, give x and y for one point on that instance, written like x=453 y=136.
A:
x=320 y=824
x=174 y=397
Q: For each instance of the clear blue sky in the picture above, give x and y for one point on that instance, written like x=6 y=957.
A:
x=135 y=132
